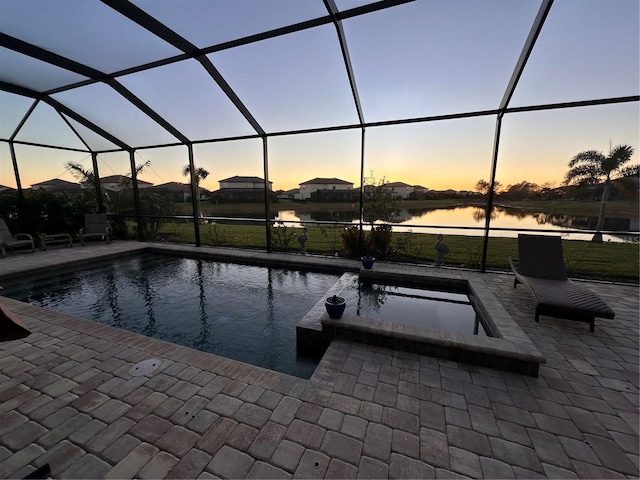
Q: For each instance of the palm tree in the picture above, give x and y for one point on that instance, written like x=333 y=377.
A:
x=199 y=174
x=592 y=167
x=117 y=202
x=88 y=178
x=83 y=175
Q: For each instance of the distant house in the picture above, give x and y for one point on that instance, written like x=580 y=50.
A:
x=55 y=185
x=469 y=193
x=398 y=189
x=241 y=189
x=435 y=194
x=624 y=188
x=115 y=183
x=450 y=193
x=179 y=192
x=325 y=188
x=7 y=190
x=419 y=189
x=243 y=183
x=289 y=194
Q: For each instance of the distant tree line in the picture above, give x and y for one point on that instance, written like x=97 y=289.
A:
x=524 y=190
x=592 y=175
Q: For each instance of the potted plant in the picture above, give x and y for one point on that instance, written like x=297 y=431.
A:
x=368 y=261
x=335 y=306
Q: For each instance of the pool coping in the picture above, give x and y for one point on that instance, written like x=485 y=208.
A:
x=509 y=349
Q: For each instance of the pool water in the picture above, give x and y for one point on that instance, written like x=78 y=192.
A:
x=241 y=312
x=437 y=309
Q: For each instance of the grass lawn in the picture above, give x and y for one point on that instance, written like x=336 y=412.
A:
x=614 y=261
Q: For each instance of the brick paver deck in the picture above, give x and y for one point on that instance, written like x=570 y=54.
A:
x=67 y=397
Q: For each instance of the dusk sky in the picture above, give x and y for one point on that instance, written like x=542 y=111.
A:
x=415 y=60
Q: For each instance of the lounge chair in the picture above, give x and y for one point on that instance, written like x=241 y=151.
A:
x=541 y=267
x=11 y=241
x=95 y=226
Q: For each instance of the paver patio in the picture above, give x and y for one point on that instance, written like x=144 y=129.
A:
x=67 y=397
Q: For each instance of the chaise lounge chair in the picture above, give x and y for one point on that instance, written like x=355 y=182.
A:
x=541 y=267
x=95 y=226
x=11 y=241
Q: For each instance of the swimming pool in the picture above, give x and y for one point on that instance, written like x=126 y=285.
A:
x=242 y=312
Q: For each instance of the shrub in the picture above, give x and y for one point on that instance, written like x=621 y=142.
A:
x=351 y=241
x=376 y=242
x=379 y=241
x=407 y=246
x=216 y=234
x=282 y=236
x=46 y=212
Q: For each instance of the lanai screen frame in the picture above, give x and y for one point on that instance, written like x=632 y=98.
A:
x=190 y=51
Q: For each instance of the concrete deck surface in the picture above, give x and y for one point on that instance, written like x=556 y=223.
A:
x=68 y=397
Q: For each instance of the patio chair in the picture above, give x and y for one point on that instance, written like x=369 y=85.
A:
x=52 y=238
x=11 y=241
x=95 y=226
x=541 y=267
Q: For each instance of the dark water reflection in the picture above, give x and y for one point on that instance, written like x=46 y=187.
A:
x=242 y=312
x=436 y=309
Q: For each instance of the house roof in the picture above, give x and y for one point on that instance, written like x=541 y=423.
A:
x=173 y=187
x=326 y=181
x=4 y=189
x=396 y=184
x=55 y=183
x=240 y=179
x=121 y=179
x=114 y=179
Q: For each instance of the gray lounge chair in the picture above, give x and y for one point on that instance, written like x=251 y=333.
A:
x=11 y=241
x=541 y=267
x=95 y=226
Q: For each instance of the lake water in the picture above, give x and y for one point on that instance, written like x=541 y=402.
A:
x=458 y=220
